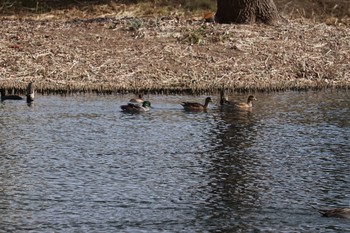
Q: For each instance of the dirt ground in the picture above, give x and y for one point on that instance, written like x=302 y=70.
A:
x=118 y=52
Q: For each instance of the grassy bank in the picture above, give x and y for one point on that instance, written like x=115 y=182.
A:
x=130 y=47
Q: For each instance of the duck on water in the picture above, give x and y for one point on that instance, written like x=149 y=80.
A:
x=336 y=213
x=30 y=93
x=136 y=108
x=9 y=97
x=196 y=107
x=139 y=99
x=236 y=105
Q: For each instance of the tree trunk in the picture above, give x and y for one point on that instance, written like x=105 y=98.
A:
x=247 y=11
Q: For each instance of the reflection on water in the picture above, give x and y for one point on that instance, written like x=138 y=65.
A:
x=78 y=163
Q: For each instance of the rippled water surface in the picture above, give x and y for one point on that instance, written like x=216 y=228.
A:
x=78 y=164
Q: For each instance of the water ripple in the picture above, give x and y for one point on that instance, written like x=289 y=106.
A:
x=78 y=163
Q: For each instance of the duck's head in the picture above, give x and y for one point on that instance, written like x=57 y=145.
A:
x=251 y=98
x=146 y=104
x=208 y=100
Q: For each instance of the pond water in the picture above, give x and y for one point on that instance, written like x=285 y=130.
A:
x=79 y=164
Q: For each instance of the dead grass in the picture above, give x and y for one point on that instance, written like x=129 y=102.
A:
x=316 y=10
x=118 y=50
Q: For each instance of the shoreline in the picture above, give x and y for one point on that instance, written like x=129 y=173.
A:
x=170 y=55
x=20 y=88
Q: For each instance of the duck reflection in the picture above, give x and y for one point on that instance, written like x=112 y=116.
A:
x=239 y=131
x=235 y=171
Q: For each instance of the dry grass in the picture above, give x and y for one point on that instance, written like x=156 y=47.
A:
x=116 y=51
x=316 y=10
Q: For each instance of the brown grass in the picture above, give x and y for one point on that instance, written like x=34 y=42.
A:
x=317 y=10
x=117 y=50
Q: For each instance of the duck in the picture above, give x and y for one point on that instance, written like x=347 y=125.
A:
x=8 y=97
x=30 y=92
x=236 y=105
x=136 y=108
x=337 y=212
x=192 y=106
x=137 y=100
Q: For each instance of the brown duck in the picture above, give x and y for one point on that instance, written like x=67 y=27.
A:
x=337 y=213
x=236 y=105
x=196 y=107
x=137 y=100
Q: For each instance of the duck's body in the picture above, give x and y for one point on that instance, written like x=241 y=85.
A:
x=136 y=108
x=197 y=107
x=137 y=100
x=337 y=213
x=30 y=92
x=9 y=97
x=237 y=105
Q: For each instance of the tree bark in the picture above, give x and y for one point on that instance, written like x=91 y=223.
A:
x=247 y=11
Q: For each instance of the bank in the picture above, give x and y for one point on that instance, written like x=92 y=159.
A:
x=121 y=53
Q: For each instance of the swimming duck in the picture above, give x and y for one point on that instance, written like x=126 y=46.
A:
x=236 y=105
x=137 y=100
x=338 y=213
x=192 y=106
x=135 y=108
x=9 y=97
x=30 y=92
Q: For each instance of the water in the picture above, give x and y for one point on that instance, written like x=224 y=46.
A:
x=78 y=164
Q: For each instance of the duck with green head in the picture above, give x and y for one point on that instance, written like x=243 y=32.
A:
x=196 y=107
x=136 y=108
